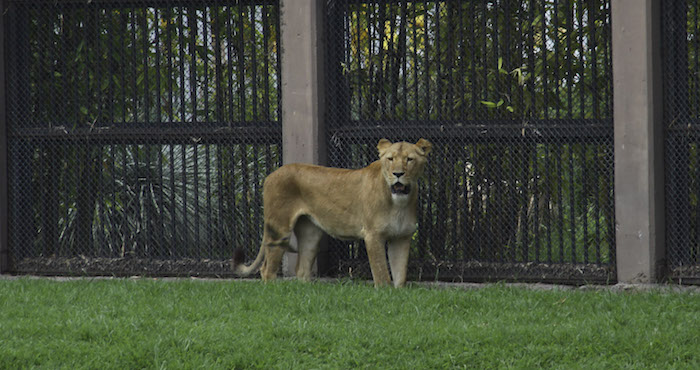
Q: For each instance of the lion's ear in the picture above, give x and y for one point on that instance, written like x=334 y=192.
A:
x=425 y=146
x=383 y=145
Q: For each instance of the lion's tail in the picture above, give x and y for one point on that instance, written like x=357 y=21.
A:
x=240 y=269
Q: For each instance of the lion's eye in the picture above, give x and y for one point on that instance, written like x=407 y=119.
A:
x=390 y=159
x=409 y=159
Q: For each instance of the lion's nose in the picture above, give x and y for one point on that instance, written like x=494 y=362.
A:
x=398 y=174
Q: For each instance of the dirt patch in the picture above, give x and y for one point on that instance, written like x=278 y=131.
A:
x=123 y=266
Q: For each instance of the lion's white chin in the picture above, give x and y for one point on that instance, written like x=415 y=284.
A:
x=399 y=199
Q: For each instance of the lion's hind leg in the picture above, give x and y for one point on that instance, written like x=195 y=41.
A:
x=308 y=236
x=273 y=260
x=275 y=243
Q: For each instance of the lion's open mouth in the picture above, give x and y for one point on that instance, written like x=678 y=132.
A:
x=400 y=188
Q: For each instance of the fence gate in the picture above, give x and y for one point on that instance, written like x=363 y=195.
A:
x=139 y=133
x=681 y=61
x=516 y=97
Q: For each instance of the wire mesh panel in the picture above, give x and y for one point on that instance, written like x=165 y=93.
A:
x=516 y=97
x=139 y=133
x=681 y=51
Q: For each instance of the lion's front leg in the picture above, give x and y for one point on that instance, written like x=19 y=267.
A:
x=398 y=259
x=377 y=260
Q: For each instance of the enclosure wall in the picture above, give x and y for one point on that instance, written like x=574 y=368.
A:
x=135 y=135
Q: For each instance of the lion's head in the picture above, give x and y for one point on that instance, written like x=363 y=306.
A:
x=402 y=164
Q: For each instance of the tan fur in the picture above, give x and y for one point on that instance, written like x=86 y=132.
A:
x=303 y=201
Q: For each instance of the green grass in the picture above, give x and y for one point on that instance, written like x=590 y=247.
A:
x=126 y=323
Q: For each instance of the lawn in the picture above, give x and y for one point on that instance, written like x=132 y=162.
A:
x=147 y=323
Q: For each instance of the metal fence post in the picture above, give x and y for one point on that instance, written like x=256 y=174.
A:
x=303 y=128
x=4 y=238
x=638 y=112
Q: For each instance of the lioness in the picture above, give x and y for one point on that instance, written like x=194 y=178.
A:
x=376 y=203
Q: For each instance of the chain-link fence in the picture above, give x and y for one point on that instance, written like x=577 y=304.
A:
x=516 y=97
x=139 y=133
x=681 y=67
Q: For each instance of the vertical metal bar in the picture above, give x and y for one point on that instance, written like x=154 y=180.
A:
x=112 y=121
x=4 y=173
x=450 y=65
x=254 y=61
x=370 y=65
x=126 y=231
x=192 y=13
x=173 y=209
x=257 y=195
x=229 y=63
x=462 y=71
x=241 y=66
x=597 y=155
x=548 y=197
x=266 y=65
x=484 y=49
x=220 y=235
x=531 y=56
x=149 y=236
x=181 y=44
x=185 y=219
x=535 y=201
x=582 y=61
x=122 y=58
x=278 y=67
x=569 y=56
x=208 y=226
x=416 y=67
x=134 y=70
x=584 y=196
x=572 y=203
x=438 y=71
x=171 y=77
x=246 y=192
x=404 y=58
x=159 y=119
x=474 y=91
x=113 y=227
x=156 y=28
x=593 y=57
x=233 y=214
x=426 y=87
x=556 y=57
x=218 y=39
x=192 y=33
x=507 y=62
x=195 y=196
x=545 y=73
x=146 y=45
x=560 y=191
x=358 y=56
x=608 y=62
x=205 y=57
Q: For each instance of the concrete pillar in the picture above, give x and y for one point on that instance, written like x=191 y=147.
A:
x=303 y=103
x=638 y=112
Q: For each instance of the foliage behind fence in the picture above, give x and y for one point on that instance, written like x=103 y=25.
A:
x=681 y=61
x=517 y=99
x=139 y=134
